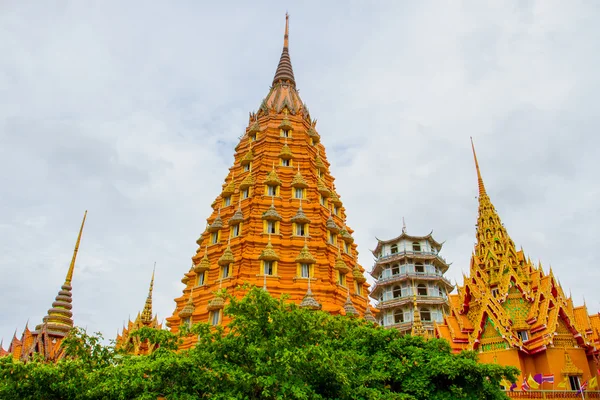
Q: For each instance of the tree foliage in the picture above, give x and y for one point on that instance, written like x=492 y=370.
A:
x=270 y=350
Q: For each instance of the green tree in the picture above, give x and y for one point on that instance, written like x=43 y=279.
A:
x=270 y=350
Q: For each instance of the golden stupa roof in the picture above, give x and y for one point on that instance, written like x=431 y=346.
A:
x=305 y=257
x=227 y=257
x=268 y=253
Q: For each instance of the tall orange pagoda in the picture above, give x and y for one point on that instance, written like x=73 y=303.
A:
x=47 y=337
x=278 y=221
x=131 y=343
x=513 y=313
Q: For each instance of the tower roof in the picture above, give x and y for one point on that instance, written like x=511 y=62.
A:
x=284 y=72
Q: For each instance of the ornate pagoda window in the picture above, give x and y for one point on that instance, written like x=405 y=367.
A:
x=286 y=162
x=394 y=249
x=323 y=200
x=300 y=229
x=425 y=314
x=419 y=268
x=272 y=190
x=268 y=267
x=200 y=279
x=245 y=193
x=523 y=335
x=247 y=167
x=214 y=237
x=341 y=279
x=336 y=210
x=346 y=248
x=298 y=193
x=225 y=271
x=305 y=271
x=272 y=227
x=395 y=269
x=416 y=246
x=215 y=317
x=396 y=292
x=236 y=230
x=398 y=316
x=226 y=201
x=332 y=238
x=422 y=290
x=574 y=382
x=358 y=288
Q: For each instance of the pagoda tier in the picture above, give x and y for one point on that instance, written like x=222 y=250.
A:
x=132 y=344
x=410 y=287
x=513 y=313
x=47 y=337
x=278 y=221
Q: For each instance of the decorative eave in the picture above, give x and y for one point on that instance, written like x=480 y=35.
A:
x=305 y=257
x=272 y=178
x=271 y=214
x=247 y=182
x=300 y=217
x=227 y=257
x=406 y=236
x=268 y=253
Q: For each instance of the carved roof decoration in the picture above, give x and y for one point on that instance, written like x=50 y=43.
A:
x=254 y=128
x=227 y=257
x=305 y=257
x=335 y=200
x=320 y=164
x=272 y=178
x=308 y=301
x=346 y=237
x=247 y=159
x=204 y=264
x=299 y=181
x=349 y=307
x=237 y=218
x=368 y=316
x=300 y=217
x=269 y=253
x=229 y=189
x=312 y=133
x=271 y=214
x=286 y=152
x=285 y=124
x=217 y=223
x=188 y=309
x=340 y=264
x=323 y=190
x=331 y=225
x=247 y=182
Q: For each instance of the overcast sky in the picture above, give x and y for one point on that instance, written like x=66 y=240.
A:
x=132 y=110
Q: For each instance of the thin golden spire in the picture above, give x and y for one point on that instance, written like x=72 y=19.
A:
x=287 y=31
x=72 y=266
x=147 y=312
x=479 y=179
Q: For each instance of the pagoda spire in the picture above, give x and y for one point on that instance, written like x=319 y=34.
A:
x=59 y=320
x=284 y=70
x=479 y=178
x=147 y=312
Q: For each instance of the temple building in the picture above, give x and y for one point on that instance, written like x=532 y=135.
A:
x=47 y=337
x=132 y=344
x=410 y=286
x=278 y=221
x=514 y=313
